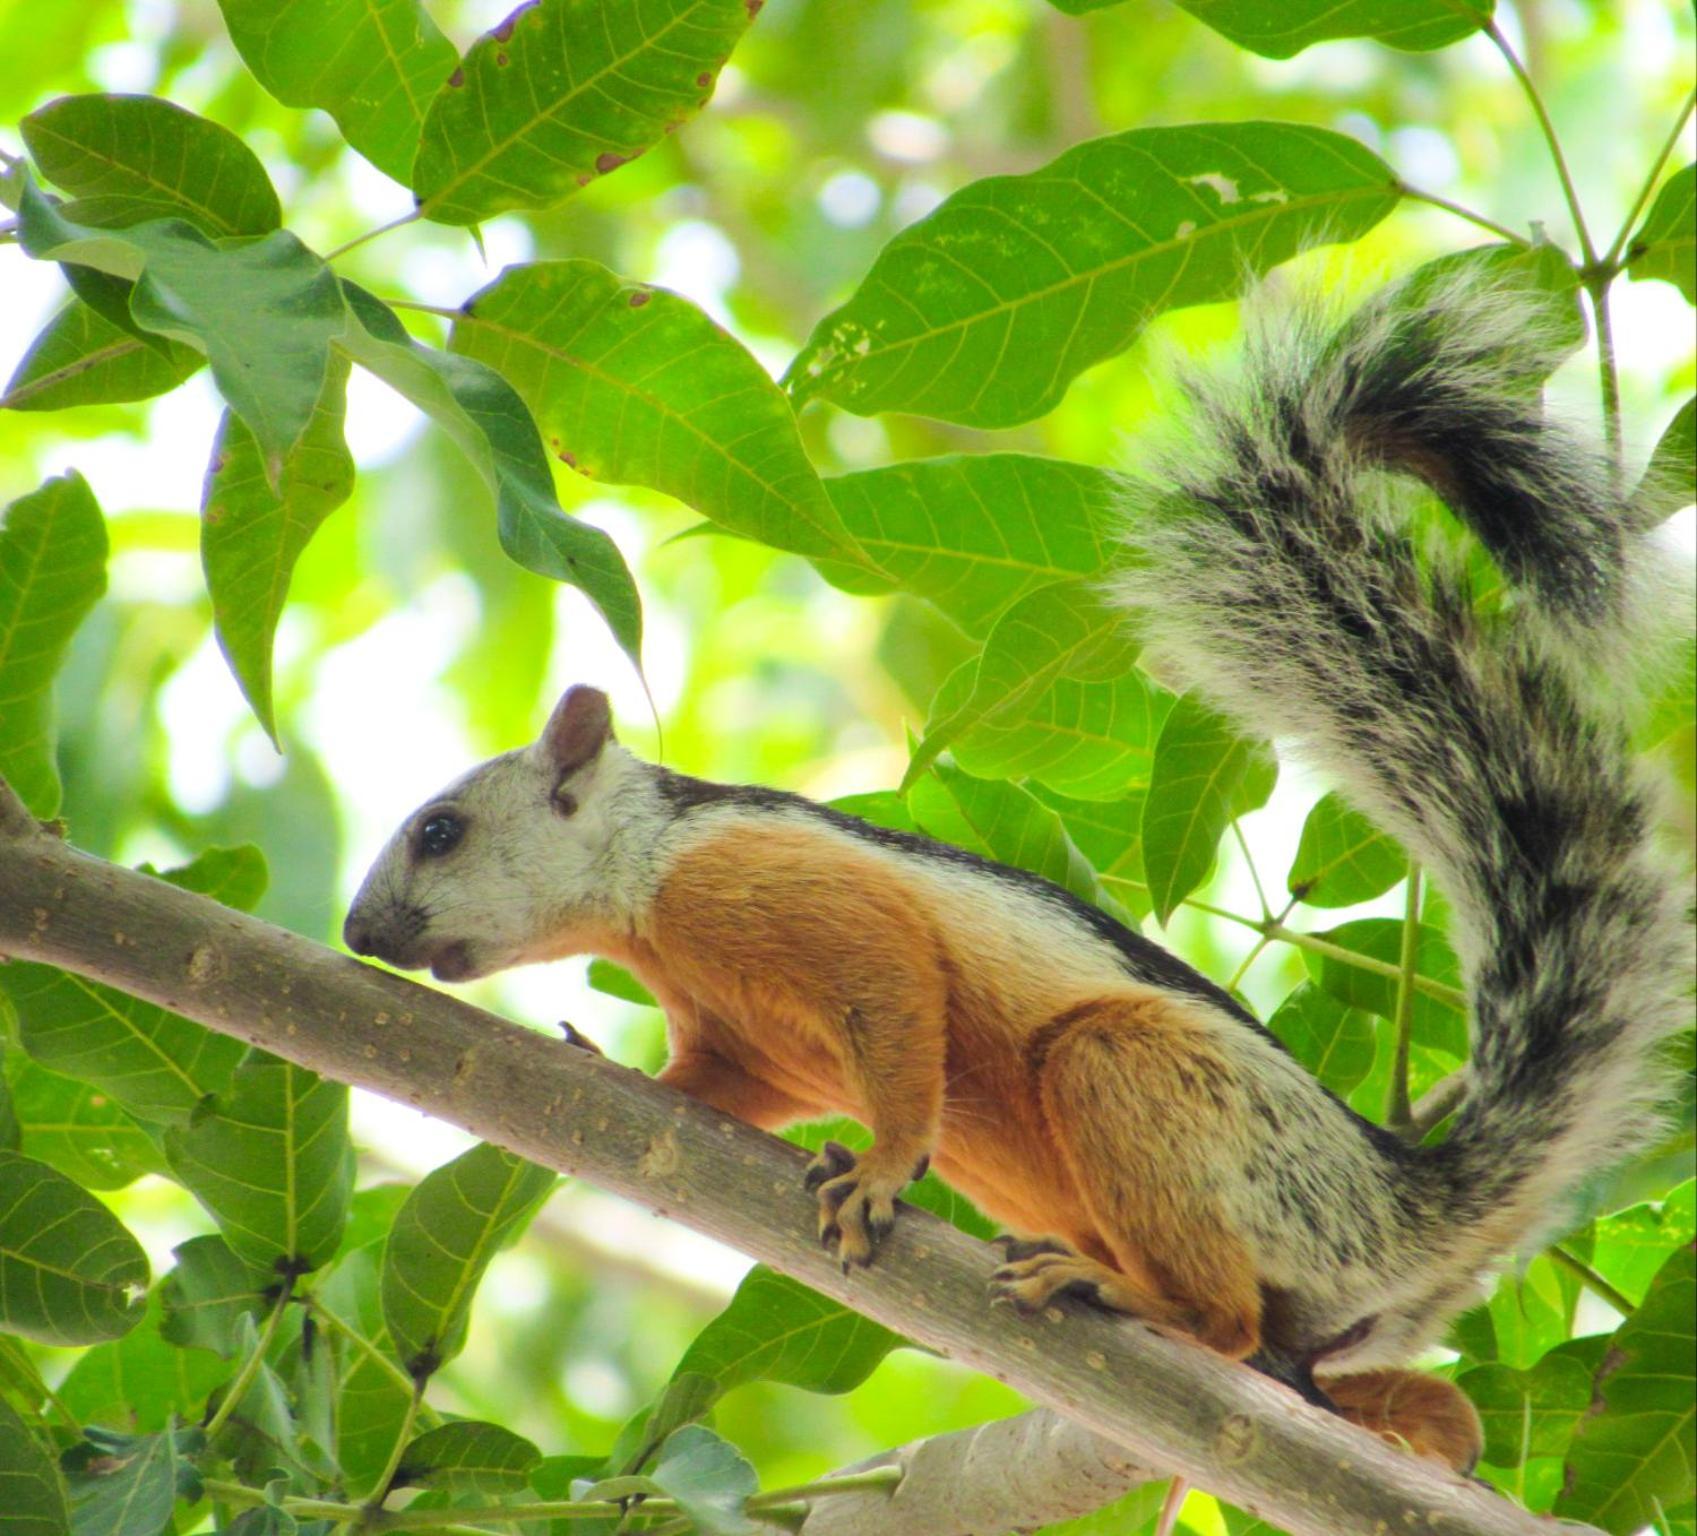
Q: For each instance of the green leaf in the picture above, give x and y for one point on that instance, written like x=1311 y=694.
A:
x=1001 y=821
x=373 y=1394
x=452 y=1225
x=486 y=417
x=260 y=1433
x=208 y=1293
x=74 y=1127
x=1666 y=243
x=615 y=981
x=1337 y=1044
x=52 y=571
x=1637 y=1454
x=468 y=1456
x=1204 y=775
x=35 y=1503
x=373 y=65
x=70 y=1272
x=1668 y=477
x=562 y=92
x=1058 y=633
x=263 y=311
x=1435 y=1023
x=984 y=311
x=709 y=1478
x=128 y=159
x=157 y=1065
x=1629 y=1247
x=81 y=358
x=975 y=532
x=1109 y=833
x=636 y=385
x=1278 y=29
x=270 y=1159
x=1342 y=859
x=1528 y=1413
x=140 y=1383
x=251 y=535
x=122 y=1485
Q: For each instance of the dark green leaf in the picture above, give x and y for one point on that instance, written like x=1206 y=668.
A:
x=1280 y=28
x=486 y=417
x=470 y=1457
x=1636 y=1455
x=1061 y=633
x=263 y=311
x=252 y=535
x=562 y=92
x=52 y=571
x=35 y=1502
x=140 y=1383
x=209 y=1291
x=975 y=532
x=1337 y=1044
x=1666 y=243
x=452 y=1225
x=709 y=1478
x=122 y=1485
x=1435 y=1023
x=636 y=385
x=270 y=1159
x=373 y=65
x=70 y=1272
x=156 y=1064
x=1667 y=484
x=74 y=1127
x=81 y=358
x=1204 y=775
x=259 y=1434
x=1342 y=859
x=1000 y=821
x=373 y=1393
x=1528 y=1413
x=128 y=159
x=984 y=311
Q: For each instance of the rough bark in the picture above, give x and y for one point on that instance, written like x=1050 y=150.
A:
x=1169 y=1403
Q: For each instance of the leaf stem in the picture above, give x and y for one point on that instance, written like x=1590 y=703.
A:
x=1463 y=212
x=1559 y=160
x=370 y=1351
x=1618 y=248
x=371 y=234
x=848 y=1482
x=1399 y=1109
x=252 y=1498
x=1254 y=875
x=1440 y=1100
x=1591 y=1280
x=1597 y=286
x=426 y=309
x=250 y=1367
x=381 y=1489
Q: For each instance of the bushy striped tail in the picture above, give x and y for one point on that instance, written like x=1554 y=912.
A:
x=1281 y=570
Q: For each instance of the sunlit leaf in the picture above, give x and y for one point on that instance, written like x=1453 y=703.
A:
x=451 y=1226
x=1666 y=243
x=264 y=311
x=984 y=311
x=1629 y=1247
x=1638 y=1454
x=1529 y=1413
x=636 y=385
x=81 y=358
x=1280 y=28
x=1342 y=859
x=975 y=532
x=468 y=1456
x=74 y=1127
x=1204 y=775
x=708 y=1477
x=70 y=1272
x=128 y=159
x=1336 y=1043
x=617 y=982
x=252 y=535
x=52 y=571
x=1668 y=478
x=35 y=1502
x=486 y=417
x=564 y=91
x=373 y=65
x=269 y=1157
x=1109 y=833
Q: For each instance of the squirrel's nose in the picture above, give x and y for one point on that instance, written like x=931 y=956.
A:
x=356 y=934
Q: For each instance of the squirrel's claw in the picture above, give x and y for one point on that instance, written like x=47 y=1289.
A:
x=857 y=1203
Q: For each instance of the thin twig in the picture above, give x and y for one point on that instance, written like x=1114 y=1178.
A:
x=1569 y=192
x=1630 y=223
x=1590 y=1279
x=1597 y=285
x=1463 y=212
x=1439 y=1101
x=250 y=1367
x=371 y=234
x=1254 y=874
x=403 y=1439
x=1399 y=1114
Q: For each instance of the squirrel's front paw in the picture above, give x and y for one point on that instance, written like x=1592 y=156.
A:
x=857 y=1201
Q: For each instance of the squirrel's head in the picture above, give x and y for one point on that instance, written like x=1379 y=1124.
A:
x=504 y=863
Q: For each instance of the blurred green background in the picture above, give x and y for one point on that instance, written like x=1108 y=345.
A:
x=412 y=646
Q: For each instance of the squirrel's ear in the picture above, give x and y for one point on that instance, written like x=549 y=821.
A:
x=581 y=725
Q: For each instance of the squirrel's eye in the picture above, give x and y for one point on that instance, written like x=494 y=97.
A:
x=440 y=833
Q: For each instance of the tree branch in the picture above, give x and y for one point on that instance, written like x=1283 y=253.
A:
x=1168 y=1402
